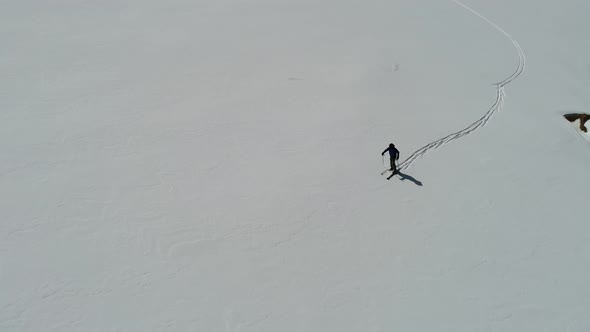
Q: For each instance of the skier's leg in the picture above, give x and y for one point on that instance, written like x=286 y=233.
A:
x=392 y=164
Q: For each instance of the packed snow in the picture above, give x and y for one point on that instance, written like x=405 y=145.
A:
x=215 y=165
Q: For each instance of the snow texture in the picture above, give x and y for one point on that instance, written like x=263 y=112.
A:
x=214 y=165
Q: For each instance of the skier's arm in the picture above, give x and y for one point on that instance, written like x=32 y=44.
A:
x=382 y=153
x=397 y=155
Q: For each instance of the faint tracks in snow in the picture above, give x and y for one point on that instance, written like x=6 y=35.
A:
x=498 y=104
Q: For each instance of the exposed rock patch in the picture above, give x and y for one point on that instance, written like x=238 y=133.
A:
x=572 y=117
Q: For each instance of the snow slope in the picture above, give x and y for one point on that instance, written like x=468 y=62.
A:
x=214 y=166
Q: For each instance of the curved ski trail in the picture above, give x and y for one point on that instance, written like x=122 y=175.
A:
x=498 y=104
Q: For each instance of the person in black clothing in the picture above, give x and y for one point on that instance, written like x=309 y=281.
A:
x=393 y=156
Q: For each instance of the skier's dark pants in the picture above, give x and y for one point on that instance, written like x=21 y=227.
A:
x=392 y=162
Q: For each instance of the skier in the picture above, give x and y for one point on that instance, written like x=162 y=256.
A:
x=393 y=156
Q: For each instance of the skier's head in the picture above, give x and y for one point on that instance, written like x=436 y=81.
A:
x=391 y=145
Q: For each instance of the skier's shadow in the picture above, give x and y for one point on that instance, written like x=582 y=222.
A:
x=403 y=177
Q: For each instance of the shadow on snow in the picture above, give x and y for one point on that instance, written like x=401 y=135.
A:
x=403 y=177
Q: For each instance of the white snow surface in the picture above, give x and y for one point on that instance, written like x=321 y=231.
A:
x=214 y=165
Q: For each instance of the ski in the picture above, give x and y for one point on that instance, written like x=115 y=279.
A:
x=394 y=173
x=388 y=170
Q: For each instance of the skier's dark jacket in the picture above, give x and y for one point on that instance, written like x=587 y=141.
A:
x=393 y=152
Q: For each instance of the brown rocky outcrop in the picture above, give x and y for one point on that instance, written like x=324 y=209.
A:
x=575 y=116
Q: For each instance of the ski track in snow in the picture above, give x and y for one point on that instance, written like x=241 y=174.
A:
x=498 y=104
